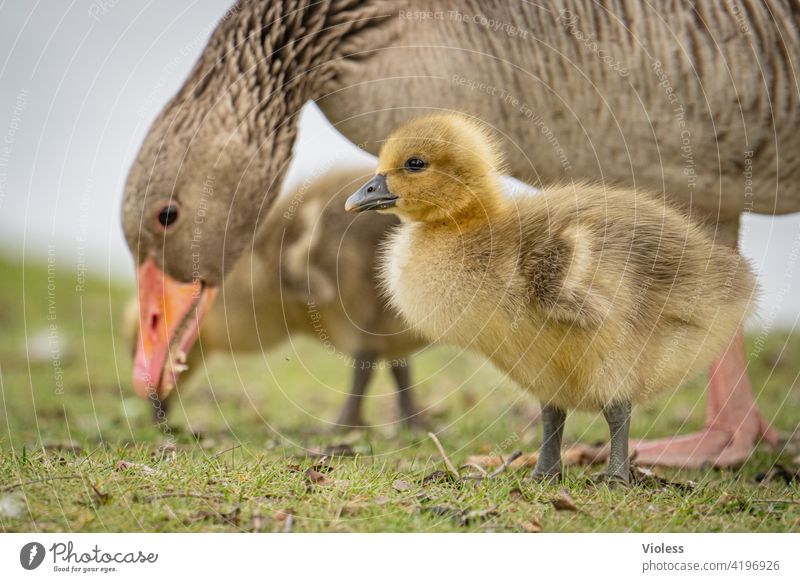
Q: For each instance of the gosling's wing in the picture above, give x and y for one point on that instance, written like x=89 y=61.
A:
x=560 y=278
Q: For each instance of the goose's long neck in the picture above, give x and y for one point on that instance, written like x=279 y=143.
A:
x=264 y=61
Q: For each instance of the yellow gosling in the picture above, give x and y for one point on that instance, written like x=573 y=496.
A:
x=590 y=297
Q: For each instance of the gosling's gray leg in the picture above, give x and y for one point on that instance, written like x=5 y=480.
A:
x=402 y=379
x=548 y=465
x=363 y=363
x=618 y=417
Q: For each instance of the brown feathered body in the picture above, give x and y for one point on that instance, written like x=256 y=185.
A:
x=584 y=295
x=698 y=101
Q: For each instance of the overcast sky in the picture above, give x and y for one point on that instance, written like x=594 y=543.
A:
x=80 y=83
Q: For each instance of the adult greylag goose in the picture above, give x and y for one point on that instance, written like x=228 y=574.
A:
x=667 y=107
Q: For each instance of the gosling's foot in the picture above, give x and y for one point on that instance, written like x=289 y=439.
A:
x=549 y=479
x=612 y=480
x=347 y=422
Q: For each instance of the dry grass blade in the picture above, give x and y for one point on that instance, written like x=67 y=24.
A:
x=511 y=458
x=184 y=494
x=494 y=461
x=482 y=473
x=451 y=468
x=230 y=517
x=126 y=465
x=228 y=450
x=100 y=497
x=577 y=454
x=437 y=477
x=13 y=486
x=334 y=450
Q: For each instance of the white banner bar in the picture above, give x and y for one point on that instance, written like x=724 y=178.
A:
x=400 y=557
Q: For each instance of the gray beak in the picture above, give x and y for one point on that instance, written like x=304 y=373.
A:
x=374 y=195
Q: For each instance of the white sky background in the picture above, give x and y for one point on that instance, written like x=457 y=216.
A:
x=78 y=93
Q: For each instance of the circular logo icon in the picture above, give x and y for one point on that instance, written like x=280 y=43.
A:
x=31 y=555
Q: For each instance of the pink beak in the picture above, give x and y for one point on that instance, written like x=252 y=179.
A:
x=170 y=315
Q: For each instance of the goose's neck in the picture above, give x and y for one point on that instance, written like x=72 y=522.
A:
x=264 y=61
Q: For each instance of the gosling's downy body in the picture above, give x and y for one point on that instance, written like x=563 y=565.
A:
x=590 y=297
x=311 y=270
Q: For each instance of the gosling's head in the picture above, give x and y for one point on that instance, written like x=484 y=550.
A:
x=441 y=167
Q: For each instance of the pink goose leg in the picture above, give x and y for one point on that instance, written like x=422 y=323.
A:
x=733 y=424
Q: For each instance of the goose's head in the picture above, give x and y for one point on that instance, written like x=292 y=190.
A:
x=436 y=168
x=190 y=208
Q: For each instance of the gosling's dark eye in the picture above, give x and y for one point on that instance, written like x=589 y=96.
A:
x=168 y=215
x=414 y=165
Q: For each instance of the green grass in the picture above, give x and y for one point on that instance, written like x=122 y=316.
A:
x=238 y=459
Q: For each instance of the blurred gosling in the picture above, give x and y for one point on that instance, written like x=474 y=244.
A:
x=312 y=271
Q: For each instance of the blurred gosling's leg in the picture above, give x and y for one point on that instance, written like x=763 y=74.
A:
x=364 y=364
x=548 y=466
x=618 y=417
x=409 y=414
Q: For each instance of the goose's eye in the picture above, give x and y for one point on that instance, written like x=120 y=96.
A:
x=168 y=215
x=414 y=165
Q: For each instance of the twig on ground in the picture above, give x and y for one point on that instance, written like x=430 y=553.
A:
x=228 y=450
x=102 y=498
x=481 y=470
x=511 y=458
x=451 y=468
x=184 y=494
x=228 y=518
x=85 y=458
x=35 y=481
